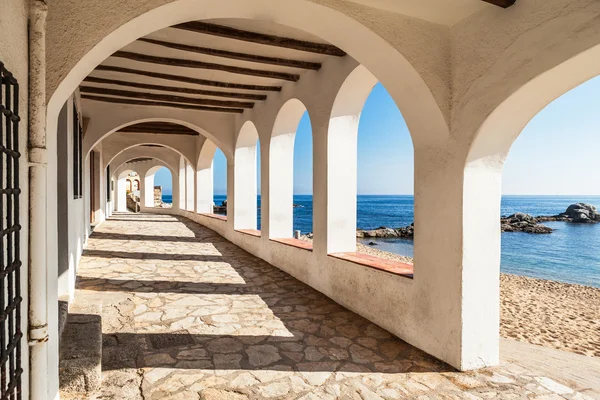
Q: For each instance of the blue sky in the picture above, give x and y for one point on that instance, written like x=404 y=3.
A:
x=558 y=152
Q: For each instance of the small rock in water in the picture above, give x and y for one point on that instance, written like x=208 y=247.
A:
x=373 y=244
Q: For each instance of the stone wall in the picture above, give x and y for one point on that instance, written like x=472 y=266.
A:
x=157 y=196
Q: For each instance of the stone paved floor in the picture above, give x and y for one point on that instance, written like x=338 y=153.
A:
x=188 y=315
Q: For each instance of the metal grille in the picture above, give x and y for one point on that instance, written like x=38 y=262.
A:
x=10 y=252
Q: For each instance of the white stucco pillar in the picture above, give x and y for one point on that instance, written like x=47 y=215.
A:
x=230 y=193
x=121 y=197
x=320 y=123
x=205 y=189
x=148 y=190
x=181 y=196
x=457 y=257
x=176 y=194
x=190 y=189
x=342 y=156
x=281 y=185
x=245 y=216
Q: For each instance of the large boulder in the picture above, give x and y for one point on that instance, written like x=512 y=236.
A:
x=582 y=213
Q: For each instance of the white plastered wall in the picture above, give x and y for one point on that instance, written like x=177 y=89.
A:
x=77 y=226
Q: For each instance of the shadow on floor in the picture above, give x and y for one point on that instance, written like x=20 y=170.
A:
x=317 y=334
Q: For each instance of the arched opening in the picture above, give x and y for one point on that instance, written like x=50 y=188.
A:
x=550 y=226
x=126 y=198
x=484 y=205
x=158 y=186
x=245 y=181
x=385 y=180
x=220 y=182
x=282 y=175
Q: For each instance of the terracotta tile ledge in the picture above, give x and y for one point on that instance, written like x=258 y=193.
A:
x=393 y=267
x=301 y=244
x=251 y=232
x=215 y=216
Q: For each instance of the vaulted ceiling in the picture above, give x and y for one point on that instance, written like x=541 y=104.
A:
x=221 y=66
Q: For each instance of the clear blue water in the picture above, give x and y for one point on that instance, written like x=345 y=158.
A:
x=569 y=254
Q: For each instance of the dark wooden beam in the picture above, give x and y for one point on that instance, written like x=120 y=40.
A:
x=176 y=89
x=179 y=62
x=283 y=62
x=165 y=97
x=501 y=3
x=261 y=38
x=140 y=159
x=187 y=79
x=159 y=128
x=160 y=104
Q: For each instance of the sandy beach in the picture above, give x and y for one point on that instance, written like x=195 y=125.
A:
x=547 y=313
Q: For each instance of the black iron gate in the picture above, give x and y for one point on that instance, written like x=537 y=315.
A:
x=10 y=252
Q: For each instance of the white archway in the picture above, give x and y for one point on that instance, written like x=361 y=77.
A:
x=110 y=157
x=149 y=183
x=121 y=190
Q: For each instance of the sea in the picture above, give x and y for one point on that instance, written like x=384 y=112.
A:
x=569 y=254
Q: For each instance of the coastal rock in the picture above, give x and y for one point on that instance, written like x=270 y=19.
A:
x=406 y=232
x=521 y=222
x=578 y=213
x=582 y=213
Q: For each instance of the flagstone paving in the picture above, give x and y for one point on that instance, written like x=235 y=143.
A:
x=189 y=315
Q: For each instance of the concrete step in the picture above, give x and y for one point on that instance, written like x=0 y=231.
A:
x=81 y=348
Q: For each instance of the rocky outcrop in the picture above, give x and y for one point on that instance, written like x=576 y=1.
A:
x=578 y=213
x=517 y=222
x=222 y=209
x=521 y=222
x=582 y=213
x=406 y=232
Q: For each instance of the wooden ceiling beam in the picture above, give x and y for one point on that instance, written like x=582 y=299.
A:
x=176 y=89
x=165 y=97
x=260 y=38
x=160 y=104
x=283 y=62
x=187 y=79
x=159 y=128
x=140 y=159
x=501 y=3
x=179 y=62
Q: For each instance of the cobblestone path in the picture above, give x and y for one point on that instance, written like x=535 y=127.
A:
x=189 y=315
